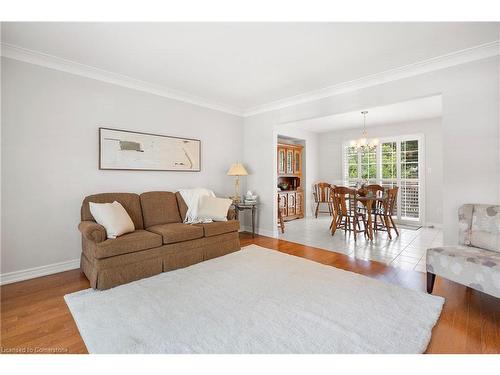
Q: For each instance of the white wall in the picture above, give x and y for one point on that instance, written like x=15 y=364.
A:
x=55 y=116
x=330 y=156
x=470 y=134
x=310 y=165
x=49 y=155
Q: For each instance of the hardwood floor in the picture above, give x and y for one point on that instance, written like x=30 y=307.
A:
x=35 y=319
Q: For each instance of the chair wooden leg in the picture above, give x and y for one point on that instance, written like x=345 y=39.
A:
x=375 y=222
x=333 y=225
x=431 y=278
x=365 y=226
x=337 y=225
x=317 y=209
x=387 y=224
x=394 y=225
x=354 y=222
x=282 y=224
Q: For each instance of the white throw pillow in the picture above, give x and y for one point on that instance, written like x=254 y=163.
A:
x=113 y=217
x=192 y=199
x=213 y=208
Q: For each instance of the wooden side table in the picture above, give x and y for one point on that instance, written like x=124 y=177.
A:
x=241 y=207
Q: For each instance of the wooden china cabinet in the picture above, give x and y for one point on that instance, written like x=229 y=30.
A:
x=290 y=181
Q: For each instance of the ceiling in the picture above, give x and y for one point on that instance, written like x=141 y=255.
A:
x=397 y=113
x=246 y=65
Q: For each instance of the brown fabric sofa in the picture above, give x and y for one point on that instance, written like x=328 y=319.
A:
x=161 y=241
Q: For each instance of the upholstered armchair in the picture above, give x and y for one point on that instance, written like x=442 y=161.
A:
x=475 y=262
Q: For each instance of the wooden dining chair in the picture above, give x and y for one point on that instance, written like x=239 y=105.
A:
x=375 y=190
x=322 y=194
x=281 y=213
x=385 y=212
x=346 y=213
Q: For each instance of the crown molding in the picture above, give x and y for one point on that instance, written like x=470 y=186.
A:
x=445 y=61
x=53 y=62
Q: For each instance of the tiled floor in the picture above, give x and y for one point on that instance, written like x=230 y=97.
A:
x=406 y=251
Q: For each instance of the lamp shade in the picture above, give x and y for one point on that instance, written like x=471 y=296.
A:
x=237 y=169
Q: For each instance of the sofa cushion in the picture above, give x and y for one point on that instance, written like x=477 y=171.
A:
x=485 y=229
x=471 y=266
x=128 y=243
x=183 y=208
x=159 y=207
x=129 y=201
x=177 y=232
x=220 y=227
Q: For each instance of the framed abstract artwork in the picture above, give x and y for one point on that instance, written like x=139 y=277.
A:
x=129 y=150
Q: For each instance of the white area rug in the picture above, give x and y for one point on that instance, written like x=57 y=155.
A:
x=255 y=301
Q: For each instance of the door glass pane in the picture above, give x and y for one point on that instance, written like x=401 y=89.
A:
x=409 y=200
x=409 y=191
x=352 y=164
x=353 y=171
x=369 y=165
x=389 y=160
x=409 y=170
x=409 y=151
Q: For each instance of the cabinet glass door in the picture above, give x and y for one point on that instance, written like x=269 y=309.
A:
x=281 y=161
x=289 y=161
x=297 y=161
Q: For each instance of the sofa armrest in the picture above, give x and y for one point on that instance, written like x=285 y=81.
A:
x=92 y=231
x=231 y=214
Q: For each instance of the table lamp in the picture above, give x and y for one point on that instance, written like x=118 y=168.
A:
x=237 y=169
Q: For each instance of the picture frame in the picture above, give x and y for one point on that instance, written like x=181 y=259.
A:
x=138 y=151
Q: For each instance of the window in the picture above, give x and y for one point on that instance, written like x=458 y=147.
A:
x=352 y=164
x=360 y=166
x=395 y=162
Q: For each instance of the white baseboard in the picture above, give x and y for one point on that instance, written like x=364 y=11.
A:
x=31 y=273
x=262 y=232
x=435 y=225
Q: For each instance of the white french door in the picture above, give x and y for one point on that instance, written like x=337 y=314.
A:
x=396 y=161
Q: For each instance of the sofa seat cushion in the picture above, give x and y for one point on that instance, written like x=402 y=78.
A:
x=128 y=243
x=177 y=232
x=467 y=265
x=159 y=207
x=220 y=227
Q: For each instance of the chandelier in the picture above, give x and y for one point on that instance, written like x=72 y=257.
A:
x=363 y=143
